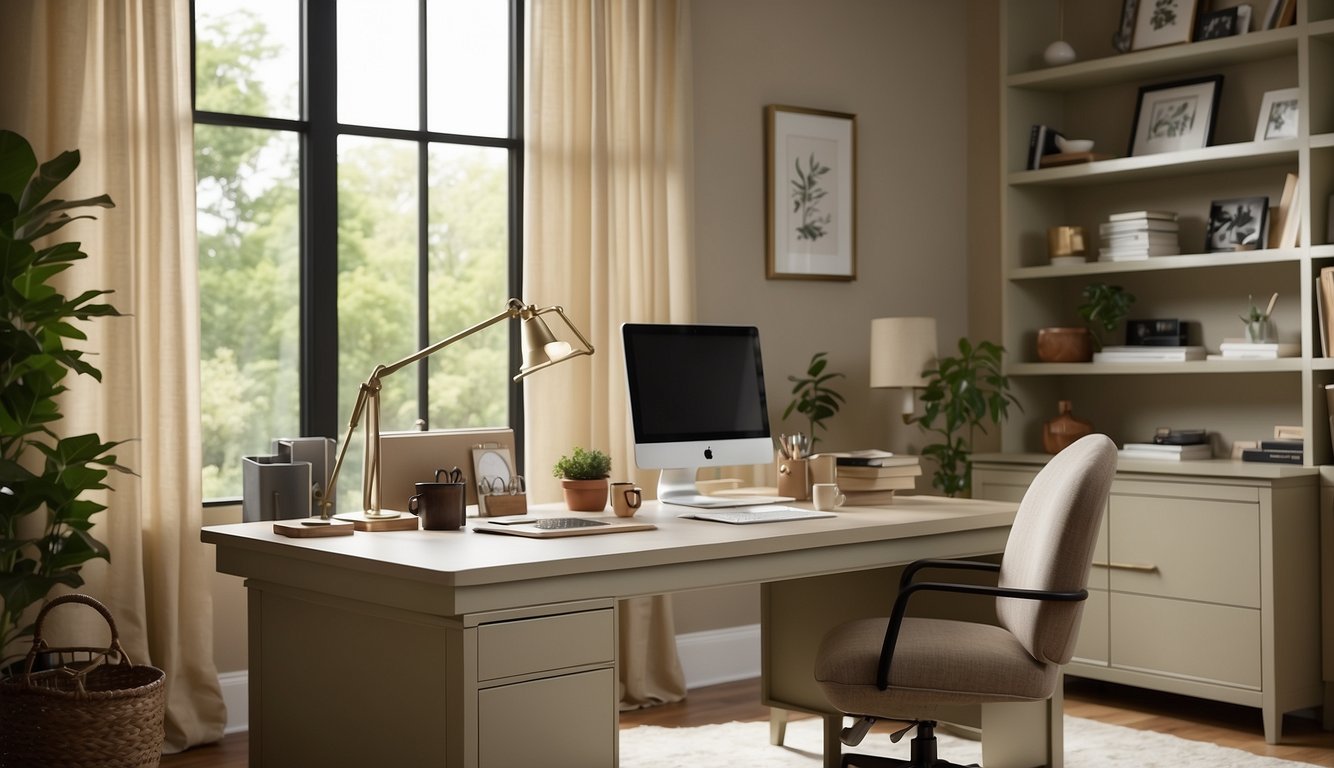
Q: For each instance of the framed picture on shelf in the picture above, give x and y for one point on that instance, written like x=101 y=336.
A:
x=810 y=191
x=1215 y=24
x=1175 y=116
x=1125 y=33
x=1278 y=115
x=1163 y=22
x=1237 y=224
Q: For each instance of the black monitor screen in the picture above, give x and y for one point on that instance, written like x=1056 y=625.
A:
x=695 y=382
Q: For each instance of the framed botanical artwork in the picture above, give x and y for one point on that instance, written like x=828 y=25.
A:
x=1174 y=116
x=811 y=194
x=1278 y=115
x=1125 y=33
x=1216 y=24
x=1237 y=224
x=1163 y=22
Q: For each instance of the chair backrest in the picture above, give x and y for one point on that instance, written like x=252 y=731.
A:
x=1051 y=545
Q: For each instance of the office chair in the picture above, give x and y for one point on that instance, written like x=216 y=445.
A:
x=901 y=668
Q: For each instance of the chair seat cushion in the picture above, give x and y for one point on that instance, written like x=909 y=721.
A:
x=937 y=663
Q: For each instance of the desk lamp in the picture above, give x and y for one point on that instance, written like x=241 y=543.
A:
x=541 y=350
x=901 y=348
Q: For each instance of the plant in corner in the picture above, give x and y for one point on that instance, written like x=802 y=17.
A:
x=1103 y=307
x=962 y=394
x=42 y=474
x=583 y=477
x=812 y=397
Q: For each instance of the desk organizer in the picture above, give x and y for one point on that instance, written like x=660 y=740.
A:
x=794 y=479
x=502 y=504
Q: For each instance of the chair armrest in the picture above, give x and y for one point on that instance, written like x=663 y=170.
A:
x=959 y=565
x=901 y=605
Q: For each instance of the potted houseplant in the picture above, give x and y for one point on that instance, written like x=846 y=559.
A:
x=1102 y=307
x=812 y=397
x=962 y=395
x=44 y=519
x=583 y=477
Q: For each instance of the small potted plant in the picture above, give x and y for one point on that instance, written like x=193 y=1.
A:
x=583 y=477
x=1103 y=307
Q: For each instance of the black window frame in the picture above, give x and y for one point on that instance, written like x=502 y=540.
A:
x=318 y=131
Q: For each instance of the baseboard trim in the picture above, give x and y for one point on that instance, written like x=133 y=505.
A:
x=710 y=657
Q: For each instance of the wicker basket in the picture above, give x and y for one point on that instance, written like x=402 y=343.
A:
x=92 y=709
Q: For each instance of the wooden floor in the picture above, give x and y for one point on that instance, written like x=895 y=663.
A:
x=1225 y=724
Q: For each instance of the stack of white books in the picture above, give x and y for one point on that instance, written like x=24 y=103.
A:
x=1137 y=235
x=1240 y=349
x=1161 y=452
x=1137 y=354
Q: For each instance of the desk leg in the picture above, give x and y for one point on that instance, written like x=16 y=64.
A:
x=777 y=726
x=833 y=746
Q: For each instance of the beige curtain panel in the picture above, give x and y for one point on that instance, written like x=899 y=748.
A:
x=608 y=234
x=112 y=79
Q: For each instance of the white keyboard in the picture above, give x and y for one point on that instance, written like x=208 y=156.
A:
x=762 y=514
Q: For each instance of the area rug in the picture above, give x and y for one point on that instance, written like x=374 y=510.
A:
x=1088 y=744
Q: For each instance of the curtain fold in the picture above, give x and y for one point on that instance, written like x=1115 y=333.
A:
x=608 y=234
x=112 y=79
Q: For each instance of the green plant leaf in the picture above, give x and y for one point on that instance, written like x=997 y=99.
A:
x=17 y=164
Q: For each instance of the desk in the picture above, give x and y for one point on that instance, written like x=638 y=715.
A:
x=417 y=648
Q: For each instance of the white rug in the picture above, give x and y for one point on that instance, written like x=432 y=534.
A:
x=1088 y=744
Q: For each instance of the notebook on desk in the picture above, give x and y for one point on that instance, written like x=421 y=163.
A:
x=557 y=527
x=759 y=514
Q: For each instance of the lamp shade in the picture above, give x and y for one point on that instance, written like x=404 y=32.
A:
x=901 y=348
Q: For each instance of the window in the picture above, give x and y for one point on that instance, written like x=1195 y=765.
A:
x=358 y=197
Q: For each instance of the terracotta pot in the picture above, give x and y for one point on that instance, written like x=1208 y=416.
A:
x=585 y=495
x=1062 y=430
x=1065 y=345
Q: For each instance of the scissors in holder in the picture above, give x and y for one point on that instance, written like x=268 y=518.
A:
x=454 y=475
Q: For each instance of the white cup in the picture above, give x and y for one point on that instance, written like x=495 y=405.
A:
x=826 y=496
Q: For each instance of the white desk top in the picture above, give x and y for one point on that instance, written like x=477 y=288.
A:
x=470 y=570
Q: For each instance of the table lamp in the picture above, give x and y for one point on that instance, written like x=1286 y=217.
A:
x=901 y=348
x=541 y=350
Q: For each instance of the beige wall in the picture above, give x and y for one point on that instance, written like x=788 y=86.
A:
x=920 y=76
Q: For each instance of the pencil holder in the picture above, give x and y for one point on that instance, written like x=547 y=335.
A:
x=794 y=479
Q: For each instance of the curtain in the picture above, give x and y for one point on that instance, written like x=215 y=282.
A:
x=111 y=78
x=608 y=235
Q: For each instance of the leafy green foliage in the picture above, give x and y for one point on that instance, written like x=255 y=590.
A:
x=962 y=394
x=806 y=197
x=812 y=396
x=1103 y=308
x=583 y=465
x=36 y=321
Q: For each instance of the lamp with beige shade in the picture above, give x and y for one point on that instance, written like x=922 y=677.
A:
x=901 y=348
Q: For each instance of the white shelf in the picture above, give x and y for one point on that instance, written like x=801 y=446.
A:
x=1223 y=157
x=1281 y=365
x=1154 y=263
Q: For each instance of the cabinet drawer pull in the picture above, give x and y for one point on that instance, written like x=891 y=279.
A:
x=1129 y=566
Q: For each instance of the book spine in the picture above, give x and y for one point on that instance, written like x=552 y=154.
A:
x=1281 y=445
x=1272 y=457
x=1036 y=138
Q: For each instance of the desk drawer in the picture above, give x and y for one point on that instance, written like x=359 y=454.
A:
x=1199 y=641
x=558 y=722
x=1191 y=549
x=526 y=646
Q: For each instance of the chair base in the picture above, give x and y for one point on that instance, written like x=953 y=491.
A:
x=923 y=754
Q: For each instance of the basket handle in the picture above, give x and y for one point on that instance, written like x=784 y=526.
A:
x=39 y=645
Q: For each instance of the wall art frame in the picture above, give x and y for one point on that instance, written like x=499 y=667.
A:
x=1175 y=116
x=810 y=186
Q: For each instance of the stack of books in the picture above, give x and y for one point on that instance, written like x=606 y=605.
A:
x=1135 y=235
x=1240 y=349
x=1166 y=452
x=1146 y=354
x=872 y=481
x=1276 y=452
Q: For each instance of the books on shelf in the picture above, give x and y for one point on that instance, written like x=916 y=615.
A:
x=1136 y=215
x=1041 y=142
x=1240 y=349
x=1135 y=235
x=902 y=470
x=1130 y=226
x=1287 y=217
x=1148 y=354
x=883 y=477
x=904 y=483
x=870 y=457
x=1270 y=456
x=1161 y=452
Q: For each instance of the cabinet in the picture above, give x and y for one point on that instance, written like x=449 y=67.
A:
x=1095 y=98
x=1203 y=585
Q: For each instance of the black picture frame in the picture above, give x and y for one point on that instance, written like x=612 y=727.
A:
x=1190 y=104
x=1237 y=224
x=1125 y=34
x=1214 y=25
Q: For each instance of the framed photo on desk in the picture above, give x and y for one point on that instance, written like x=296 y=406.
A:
x=811 y=194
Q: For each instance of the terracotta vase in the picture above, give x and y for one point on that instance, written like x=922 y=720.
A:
x=1065 y=345
x=585 y=495
x=1064 y=429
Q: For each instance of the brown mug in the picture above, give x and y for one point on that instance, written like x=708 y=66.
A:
x=439 y=505
x=626 y=499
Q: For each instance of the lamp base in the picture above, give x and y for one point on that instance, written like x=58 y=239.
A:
x=311 y=528
x=401 y=521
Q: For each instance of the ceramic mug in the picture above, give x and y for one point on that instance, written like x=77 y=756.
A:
x=826 y=496
x=626 y=499
x=439 y=505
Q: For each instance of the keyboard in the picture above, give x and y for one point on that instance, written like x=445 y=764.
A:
x=761 y=514
x=561 y=523
x=722 y=502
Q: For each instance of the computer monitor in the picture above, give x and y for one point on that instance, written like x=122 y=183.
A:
x=696 y=400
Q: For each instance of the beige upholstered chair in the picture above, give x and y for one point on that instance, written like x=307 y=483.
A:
x=909 y=668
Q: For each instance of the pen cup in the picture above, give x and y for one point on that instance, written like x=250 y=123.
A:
x=439 y=505
x=794 y=479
